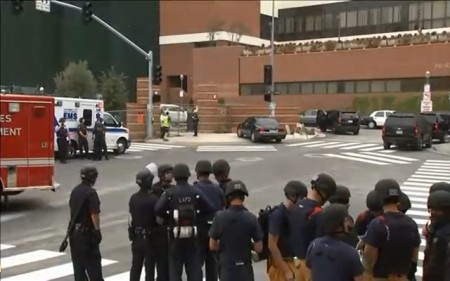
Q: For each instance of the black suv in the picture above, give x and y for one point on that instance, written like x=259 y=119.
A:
x=338 y=121
x=407 y=129
x=441 y=124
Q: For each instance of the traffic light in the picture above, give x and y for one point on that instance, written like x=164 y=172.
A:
x=268 y=97
x=268 y=74
x=17 y=7
x=157 y=75
x=156 y=98
x=87 y=12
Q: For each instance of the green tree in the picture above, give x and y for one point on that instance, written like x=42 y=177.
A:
x=76 y=81
x=113 y=89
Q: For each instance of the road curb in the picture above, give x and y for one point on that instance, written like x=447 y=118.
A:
x=435 y=150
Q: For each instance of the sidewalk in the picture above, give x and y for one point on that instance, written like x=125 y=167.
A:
x=443 y=148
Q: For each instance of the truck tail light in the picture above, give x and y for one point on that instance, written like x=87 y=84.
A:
x=436 y=126
x=416 y=131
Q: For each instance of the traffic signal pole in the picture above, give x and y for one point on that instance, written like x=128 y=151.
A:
x=272 y=60
x=148 y=56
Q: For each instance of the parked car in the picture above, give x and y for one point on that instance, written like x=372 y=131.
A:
x=441 y=125
x=309 y=118
x=261 y=128
x=407 y=129
x=338 y=121
x=177 y=113
x=376 y=119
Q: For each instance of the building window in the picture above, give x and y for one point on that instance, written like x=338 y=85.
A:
x=362 y=87
x=281 y=88
x=342 y=19
x=413 y=12
x=438 y=23
x=293 y=88
x=307 y=88
x=318 y=23
x=438 y=9
x=328 y=21
x=393 y=86
x=352 y=18
x=427 y=9
x=377 y=86
x=448 y=9
x=349 y=87
x=320 y=88
x=386 y=15
x=362 y=17
x=246 y=90
x=280 y=27
x=299 y=24
x=374 y=16
x=397 y=14
x=332 y=88
x=290 y=25
x=309 y=23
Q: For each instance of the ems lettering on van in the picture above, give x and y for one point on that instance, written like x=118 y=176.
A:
x=70 y=114
x=5 y=130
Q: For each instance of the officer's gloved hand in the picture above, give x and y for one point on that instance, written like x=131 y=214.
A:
x=97 y=236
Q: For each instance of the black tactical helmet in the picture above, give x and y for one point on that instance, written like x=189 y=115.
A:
x=145 y=178
x=221 y=167
x=180 y=171
x=62 y=120
x=439 y=199
x=440 y=186
x=333 y=217
x=236 y=186
x=203 y=166
x=325 y=184
x=296 y=189
x=404 y=202
x=341 y=196
x=89 y=172
x=373 y=202
x=164 y=168
x=388 y=188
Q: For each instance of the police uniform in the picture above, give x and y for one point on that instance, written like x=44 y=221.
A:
x=304 y=221
x=233 y=230
x=61 y=140
x=213 y=192
x=99 y=138
x=221 y=171
x=85 y=238
x=329 y=257
x=374 y=209
x=195 y=121
x=392 y=239
x=184 y=203
x=436 y=262
x=82 y=139
x=142 y=228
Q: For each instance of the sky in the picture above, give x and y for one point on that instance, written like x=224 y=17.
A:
x=266 y=5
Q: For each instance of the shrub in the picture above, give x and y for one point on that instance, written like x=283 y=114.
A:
x=76 y=81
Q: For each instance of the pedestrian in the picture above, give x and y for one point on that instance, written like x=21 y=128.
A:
x=212 y=191
x=98 y=135
x=142 y=226
x=374 y=209
x=235 y=232
x=392 y=240
x=62 y=136
x=437 y=261
x=165 y=124
x=221 y=171
x=82 y=139
x=195 y=121
x=86 y=235
x=280 y=263
x=184 y=203
x=304 y=220
x=329 y=257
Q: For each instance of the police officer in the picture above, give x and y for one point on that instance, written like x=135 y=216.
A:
x=62 y=135
x=184 y=203
x=221 y=171
x=305 y=218
x=392 y=240
x=82 y=139
x=280 y=264
x=232 y=233
x=195 y=121
x=374 y=209
x=434 y=187
x=86 y=236
x=99 y=137
x=330 y=258
x=437 y=260
x=404 y=203
x=142 y=227
x=213 y=192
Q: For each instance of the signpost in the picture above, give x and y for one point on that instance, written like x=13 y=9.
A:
x=426 y=105
x=43 y=5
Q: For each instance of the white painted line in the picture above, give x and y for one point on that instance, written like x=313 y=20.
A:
x=437 y=178
x=419 y=206
x=417 y=199
x=412 y=188
x=360 y=146
x=419 y=271
x=392 y=156
x=438 y=161
x=436 y=166
x=417 y=193
x=10 y=217
x=421 y=222
x=429 y=173
x=418 y=213
x=322 y=145
x=156 y=145
x=430 y=181
x=29 y=257
x=379 y=158
x=375 y=148
x=356 y=159
x=434 y=170
x=421 y=256
x=236 y=148
x=50 y=273
x=142 y=149
x=342 y=145
x=5 y=247
x=386 y=151
x=304 y=143
x=412 y=183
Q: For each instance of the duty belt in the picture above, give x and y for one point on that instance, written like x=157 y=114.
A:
x=81 y=228
x=142 y=231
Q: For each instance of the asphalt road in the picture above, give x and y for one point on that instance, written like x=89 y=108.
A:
x=35 y=222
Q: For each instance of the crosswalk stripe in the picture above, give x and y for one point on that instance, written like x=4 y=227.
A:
x=5 y=247
x=360 y=146
x=379 y=158
x=437 y=166
x=437 y=178
x=342 y=145
x=392 y=156
x=159 y=146
x=417 y=199
x=433 y=170
x=29 y=257
x=376 y=148
x=303 y=143
x=356 y=159
x=421 y=222
x=438 y=161
x=235 y=148
x=428 y=173
x=134 y=150
x=411 y=188
x=418 y=213
x=417 y=193
x=50 y=273
x=419 y=206
x=417 y=183
x=322 y=145
x=428 y=181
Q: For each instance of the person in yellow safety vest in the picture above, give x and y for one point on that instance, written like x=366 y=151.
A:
x=165 y=124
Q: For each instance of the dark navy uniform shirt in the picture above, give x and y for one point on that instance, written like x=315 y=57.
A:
x=279 y=226
x=91 y=204
x=331 y=259
x=362 y=221
x=437 y=263
x=142 y=209
x=235 y=228
x=213 y=192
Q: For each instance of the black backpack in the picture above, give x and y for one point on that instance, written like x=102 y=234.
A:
x=184 y=214
x=263 y=219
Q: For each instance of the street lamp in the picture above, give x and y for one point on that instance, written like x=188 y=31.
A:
x=181 y=101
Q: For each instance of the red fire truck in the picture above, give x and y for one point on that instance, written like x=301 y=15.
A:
x=26 y=143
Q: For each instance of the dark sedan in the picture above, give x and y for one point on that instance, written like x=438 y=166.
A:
x=261 y=129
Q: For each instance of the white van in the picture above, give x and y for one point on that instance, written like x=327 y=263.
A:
x=72 y=109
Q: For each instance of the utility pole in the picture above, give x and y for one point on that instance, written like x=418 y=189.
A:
x=147 y=55
x=272 y=61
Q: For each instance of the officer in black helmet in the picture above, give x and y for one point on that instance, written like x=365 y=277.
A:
x=437 y=257
x=404 y=204
x=392 y=240
x=221 y=171
x=330 y=258
x=374 y=209
x=62 y=135
x=86 y=236
x=235 y=232
x=142 y=226
x=183 y=203
x=212 y=191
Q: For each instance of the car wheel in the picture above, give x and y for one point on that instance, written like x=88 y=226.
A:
x=253 y=137
x=121 y=147
x=444 y=138
x=429 y=144
x=239 y=133
x=356 y=132
x=386 y=145
x=372 y=125
x=419 y=145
